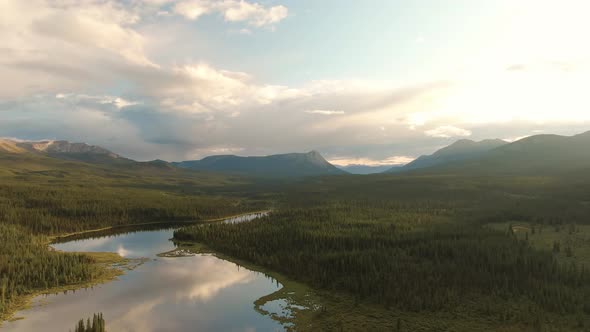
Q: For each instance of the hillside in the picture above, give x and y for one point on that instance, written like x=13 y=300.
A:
x=65 y=150
x=280 y=165
x=9 y=146
x=540 y=154
x=458 y=151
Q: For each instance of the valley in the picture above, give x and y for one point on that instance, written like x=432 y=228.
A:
x=420 y=250
x=294 y=165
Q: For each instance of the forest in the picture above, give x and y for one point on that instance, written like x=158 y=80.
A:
x=41 y=198
x=97 y=324
x=415 y=245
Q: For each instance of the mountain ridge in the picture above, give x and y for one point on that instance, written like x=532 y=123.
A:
x=538 y=154
x=463 y=149
x=289 y=164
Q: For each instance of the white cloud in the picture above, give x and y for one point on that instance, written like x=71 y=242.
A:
x=324 y=112
x=233 y=11
x=200 y=88
x=394 y=160
x=448 y=131
x=517 y=138
x=216 y=150
x=118 y=102
x=68 y=67
x=50 y=46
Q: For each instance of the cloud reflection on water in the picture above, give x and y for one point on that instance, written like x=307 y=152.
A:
x=199 y=292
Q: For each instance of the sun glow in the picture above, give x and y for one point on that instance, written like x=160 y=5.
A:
x=534 y=69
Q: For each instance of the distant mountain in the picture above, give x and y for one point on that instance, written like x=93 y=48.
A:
x=65 y=147
x=458 y=151
x=64 y=150
x=9 y=146
x=540 y=154
x=280 y=165
x=283 y=165
x=365 y=169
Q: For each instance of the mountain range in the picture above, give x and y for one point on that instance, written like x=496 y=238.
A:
x=539 y=154
x=281 y=165
x=533 y=155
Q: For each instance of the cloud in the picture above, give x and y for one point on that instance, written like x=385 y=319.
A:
x=233 y=11
x=95 y=71
x=63 y=46
x=122 y=103
x=324 y=112
x=514 y=139
x=516 y=67
x=448 y=131
x=118 y=102
x=200 y=88
x=393 y=160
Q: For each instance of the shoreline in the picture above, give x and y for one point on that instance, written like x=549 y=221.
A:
x=53 y=238
x=303 y=301
x=113 y=265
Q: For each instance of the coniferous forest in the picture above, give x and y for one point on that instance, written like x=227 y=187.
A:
x=413 y=245
x=36 y=206
x=493 y=249
x=97 y=324
x=295 y=165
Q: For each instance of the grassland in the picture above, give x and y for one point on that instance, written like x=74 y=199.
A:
x=568 y=243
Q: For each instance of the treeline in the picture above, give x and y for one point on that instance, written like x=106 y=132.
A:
x=56 y=210
x=26 y=265
x=420 y=244
x=96 y=325
x=412 y=270
x=77 y=197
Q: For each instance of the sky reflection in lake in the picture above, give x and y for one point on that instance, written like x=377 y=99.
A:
x=196 y=293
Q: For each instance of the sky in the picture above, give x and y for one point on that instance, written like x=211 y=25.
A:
x=363 y=82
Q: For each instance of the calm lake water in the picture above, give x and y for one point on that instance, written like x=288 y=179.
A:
x=195 y=293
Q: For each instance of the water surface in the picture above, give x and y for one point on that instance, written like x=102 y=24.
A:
x=196 y=293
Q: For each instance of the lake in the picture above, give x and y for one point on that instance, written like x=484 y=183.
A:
x=192 y=293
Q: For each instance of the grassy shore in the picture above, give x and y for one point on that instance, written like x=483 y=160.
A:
x=110 y=264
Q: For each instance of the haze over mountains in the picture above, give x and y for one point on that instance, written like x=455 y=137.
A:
x=365 y=169
x=534 y=154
